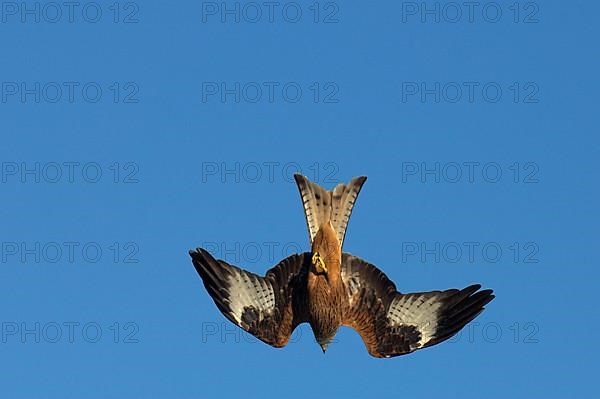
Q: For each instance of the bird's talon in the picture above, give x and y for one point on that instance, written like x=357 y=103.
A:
x=319 y=264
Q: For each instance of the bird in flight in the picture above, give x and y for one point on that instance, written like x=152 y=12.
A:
x=329 y=288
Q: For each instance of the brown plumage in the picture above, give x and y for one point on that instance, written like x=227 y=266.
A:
x=328 y=288
x=326 y=293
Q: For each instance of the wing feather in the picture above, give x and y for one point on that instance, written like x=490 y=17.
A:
x=267 y=307
x=393 y=324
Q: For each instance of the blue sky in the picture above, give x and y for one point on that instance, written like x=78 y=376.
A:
x=134 y=131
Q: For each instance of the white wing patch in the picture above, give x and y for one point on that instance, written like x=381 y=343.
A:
x=248 y=290
x=418 y=310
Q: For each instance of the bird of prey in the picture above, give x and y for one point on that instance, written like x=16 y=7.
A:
x=329 y=288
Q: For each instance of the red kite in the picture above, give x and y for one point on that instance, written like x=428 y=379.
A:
x=328 y=288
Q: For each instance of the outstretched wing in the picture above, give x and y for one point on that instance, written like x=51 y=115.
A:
x=391 y=323
x=267 y=307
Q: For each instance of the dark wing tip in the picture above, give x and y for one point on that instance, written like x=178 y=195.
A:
x=482 y=297
x=210 y=269
x=199 y=254
x=194 y=252
x=489 y=294
x=472 y=288
x=470 y=300
x=462 y=307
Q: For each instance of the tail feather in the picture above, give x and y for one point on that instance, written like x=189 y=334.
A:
x=343 y=199
x=322 y=206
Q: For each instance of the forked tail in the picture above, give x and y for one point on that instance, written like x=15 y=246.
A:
x=322 y=206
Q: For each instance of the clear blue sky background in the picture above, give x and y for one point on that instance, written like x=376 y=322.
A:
x=535 y=340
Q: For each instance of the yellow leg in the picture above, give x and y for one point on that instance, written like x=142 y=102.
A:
x=319 y=263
